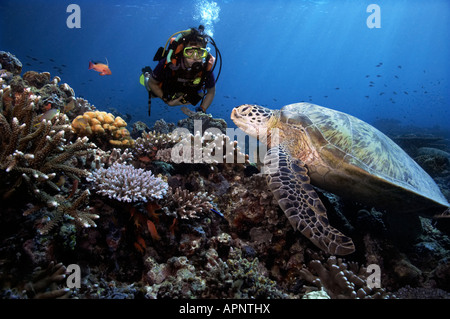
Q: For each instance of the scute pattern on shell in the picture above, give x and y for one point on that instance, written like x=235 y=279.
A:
x=364 y=146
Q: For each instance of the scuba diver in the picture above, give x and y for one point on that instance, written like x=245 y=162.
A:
x=184 y=74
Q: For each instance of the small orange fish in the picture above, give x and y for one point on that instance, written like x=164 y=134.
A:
x=47 y=107
x=145 y=159
x=140 y=244
x=151 y=209
x=152 y=229
x=100 y=67
x=173 y=226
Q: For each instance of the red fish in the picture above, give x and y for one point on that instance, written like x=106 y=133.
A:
x=100 y=67
x=152 y=229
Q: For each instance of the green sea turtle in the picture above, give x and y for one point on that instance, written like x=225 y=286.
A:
x=338 y=153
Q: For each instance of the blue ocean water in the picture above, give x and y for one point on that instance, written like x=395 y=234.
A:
x=274 y=53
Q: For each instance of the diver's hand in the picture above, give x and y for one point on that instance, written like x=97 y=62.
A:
x=177 y=101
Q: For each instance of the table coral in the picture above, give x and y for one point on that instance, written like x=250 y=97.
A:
x=127 y=184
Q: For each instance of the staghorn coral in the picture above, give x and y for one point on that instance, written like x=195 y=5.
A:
x=82 y=217
x=35 y=152
x=188 y=204
x=103 y=125
x=340 y=280
x=125 y=183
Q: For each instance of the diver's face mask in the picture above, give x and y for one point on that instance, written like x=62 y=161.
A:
x=195 y=53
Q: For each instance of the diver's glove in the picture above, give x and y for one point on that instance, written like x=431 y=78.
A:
x=199 y=109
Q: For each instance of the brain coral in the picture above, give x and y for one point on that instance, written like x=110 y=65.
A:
x=127 y=184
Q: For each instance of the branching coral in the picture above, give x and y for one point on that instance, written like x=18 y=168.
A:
x=102 y=124
x=34 y=152
x=127 y=184
x=189 y=204
x=340 y=280
x=72 y=210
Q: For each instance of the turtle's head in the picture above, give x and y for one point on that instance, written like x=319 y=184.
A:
x=252 y=118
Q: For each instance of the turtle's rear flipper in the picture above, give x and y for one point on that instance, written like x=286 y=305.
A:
x=288 y=180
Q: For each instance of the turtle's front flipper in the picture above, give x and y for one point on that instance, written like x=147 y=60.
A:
x=288 y=180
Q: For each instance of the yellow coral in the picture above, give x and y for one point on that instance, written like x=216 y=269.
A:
x=119 y=122
x=109 y=118
x=101 y=123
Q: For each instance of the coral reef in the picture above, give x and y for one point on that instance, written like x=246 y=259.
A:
x=10 y=63
x=235 y=278
x=340 y=280
x=209 y=148
x=102 y=125
x=435 y=161
x=125 y=183
x=163 y=127
x=188 y=204
x=206 y=226
x=149 y=144
x=43 y=284
x=203 y=120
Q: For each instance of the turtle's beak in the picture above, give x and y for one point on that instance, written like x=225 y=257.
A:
x=233 y=114
x=238 y=119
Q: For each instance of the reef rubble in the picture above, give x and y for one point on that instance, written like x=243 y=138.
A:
x=141 y=223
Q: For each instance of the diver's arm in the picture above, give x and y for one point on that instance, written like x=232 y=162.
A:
x=209 y=97
x=154 y=88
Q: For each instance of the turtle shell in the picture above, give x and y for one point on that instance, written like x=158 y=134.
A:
x=348 y=140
